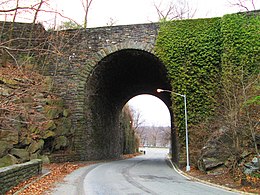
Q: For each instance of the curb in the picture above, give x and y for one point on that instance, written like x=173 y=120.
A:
x=174 y=166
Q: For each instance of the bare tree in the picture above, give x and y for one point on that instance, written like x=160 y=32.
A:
x=16 y=11
x=153 y=136
x=37 y=10
x=30 y=11
x=111 y=22
x=137 y=119
x=180 y=9
x=142 y=134
x=34 y=7
x=165 y=137
x=245 y=5
x=86 y=5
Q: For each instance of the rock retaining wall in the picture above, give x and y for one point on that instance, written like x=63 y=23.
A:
x=12 y=175
x=58 y=158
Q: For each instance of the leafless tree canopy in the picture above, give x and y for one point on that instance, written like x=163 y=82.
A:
x=86 y=5
x=244 y=5
x=154 y=136
x=31 y=11
x=178 y=9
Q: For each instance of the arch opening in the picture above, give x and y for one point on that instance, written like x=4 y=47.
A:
x=150 y=111
x=150 y=121
x=116 y=79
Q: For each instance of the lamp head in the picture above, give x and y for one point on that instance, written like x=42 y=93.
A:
x=159 y=90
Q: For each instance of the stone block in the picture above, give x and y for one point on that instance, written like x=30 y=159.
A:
x=63 y=126
x=4 y=148
x=28 y=99
x=60 y=142
x=9 y=136
x=66 y=112
x=25 y=140
x=45 y=159
x=47 y=134
x=21 y=154
x=35 y=146
x=34 y=156
x=52 y=112
x=55 y=102
x=8 y=160
x=48 y=125
x=8 y=81
x=5 y=91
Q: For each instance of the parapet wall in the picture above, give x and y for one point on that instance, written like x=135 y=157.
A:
x=12 y=175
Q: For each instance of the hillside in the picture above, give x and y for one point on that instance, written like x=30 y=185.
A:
x=33 y=121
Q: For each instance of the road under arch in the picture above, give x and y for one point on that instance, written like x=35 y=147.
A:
x=116 y=79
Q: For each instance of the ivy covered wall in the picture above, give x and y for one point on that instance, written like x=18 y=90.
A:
x=241 y=47
x=191 y=51
x=199 y=53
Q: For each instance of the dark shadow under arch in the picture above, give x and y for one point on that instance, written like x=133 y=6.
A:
x=116 y=79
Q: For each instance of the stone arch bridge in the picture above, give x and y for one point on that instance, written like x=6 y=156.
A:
x=97 y=72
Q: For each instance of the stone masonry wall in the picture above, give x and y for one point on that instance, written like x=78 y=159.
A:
x=69 y=57
x=81 y=50
x=12 y=175
x=21 y=39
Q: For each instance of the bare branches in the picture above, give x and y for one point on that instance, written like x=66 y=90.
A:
x=86 y=5
x=15 y=9
x=24 y=9
x=175 y=10
x=253 y=4
x=111 y=22
x=136 y=119
x=36 y=8
x=37 y=11
x=240 y=4
x=246 y=5
x=6 y=50
x=54 y=49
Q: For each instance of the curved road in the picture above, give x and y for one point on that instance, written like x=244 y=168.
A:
x=147 y=174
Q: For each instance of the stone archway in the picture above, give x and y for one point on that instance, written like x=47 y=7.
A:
x=120 y=73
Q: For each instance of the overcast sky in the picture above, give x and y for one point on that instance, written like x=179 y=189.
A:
x=153 y=112
x=142 y=11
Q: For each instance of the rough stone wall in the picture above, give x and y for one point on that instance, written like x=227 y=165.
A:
x=81 y=51
x=22 y=39
x=12 y=175
x=70 y=58
x=59 y=158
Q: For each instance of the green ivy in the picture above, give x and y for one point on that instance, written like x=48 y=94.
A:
x=191 y=51
x=241 y=48
x=201 y=54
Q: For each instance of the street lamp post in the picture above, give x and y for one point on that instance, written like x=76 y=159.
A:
x=186 y=125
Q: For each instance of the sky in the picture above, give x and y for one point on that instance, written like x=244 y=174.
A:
x=152 y=110
x=142 y=11
x=127 y=11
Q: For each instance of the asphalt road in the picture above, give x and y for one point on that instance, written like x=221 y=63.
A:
x=146 y=174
